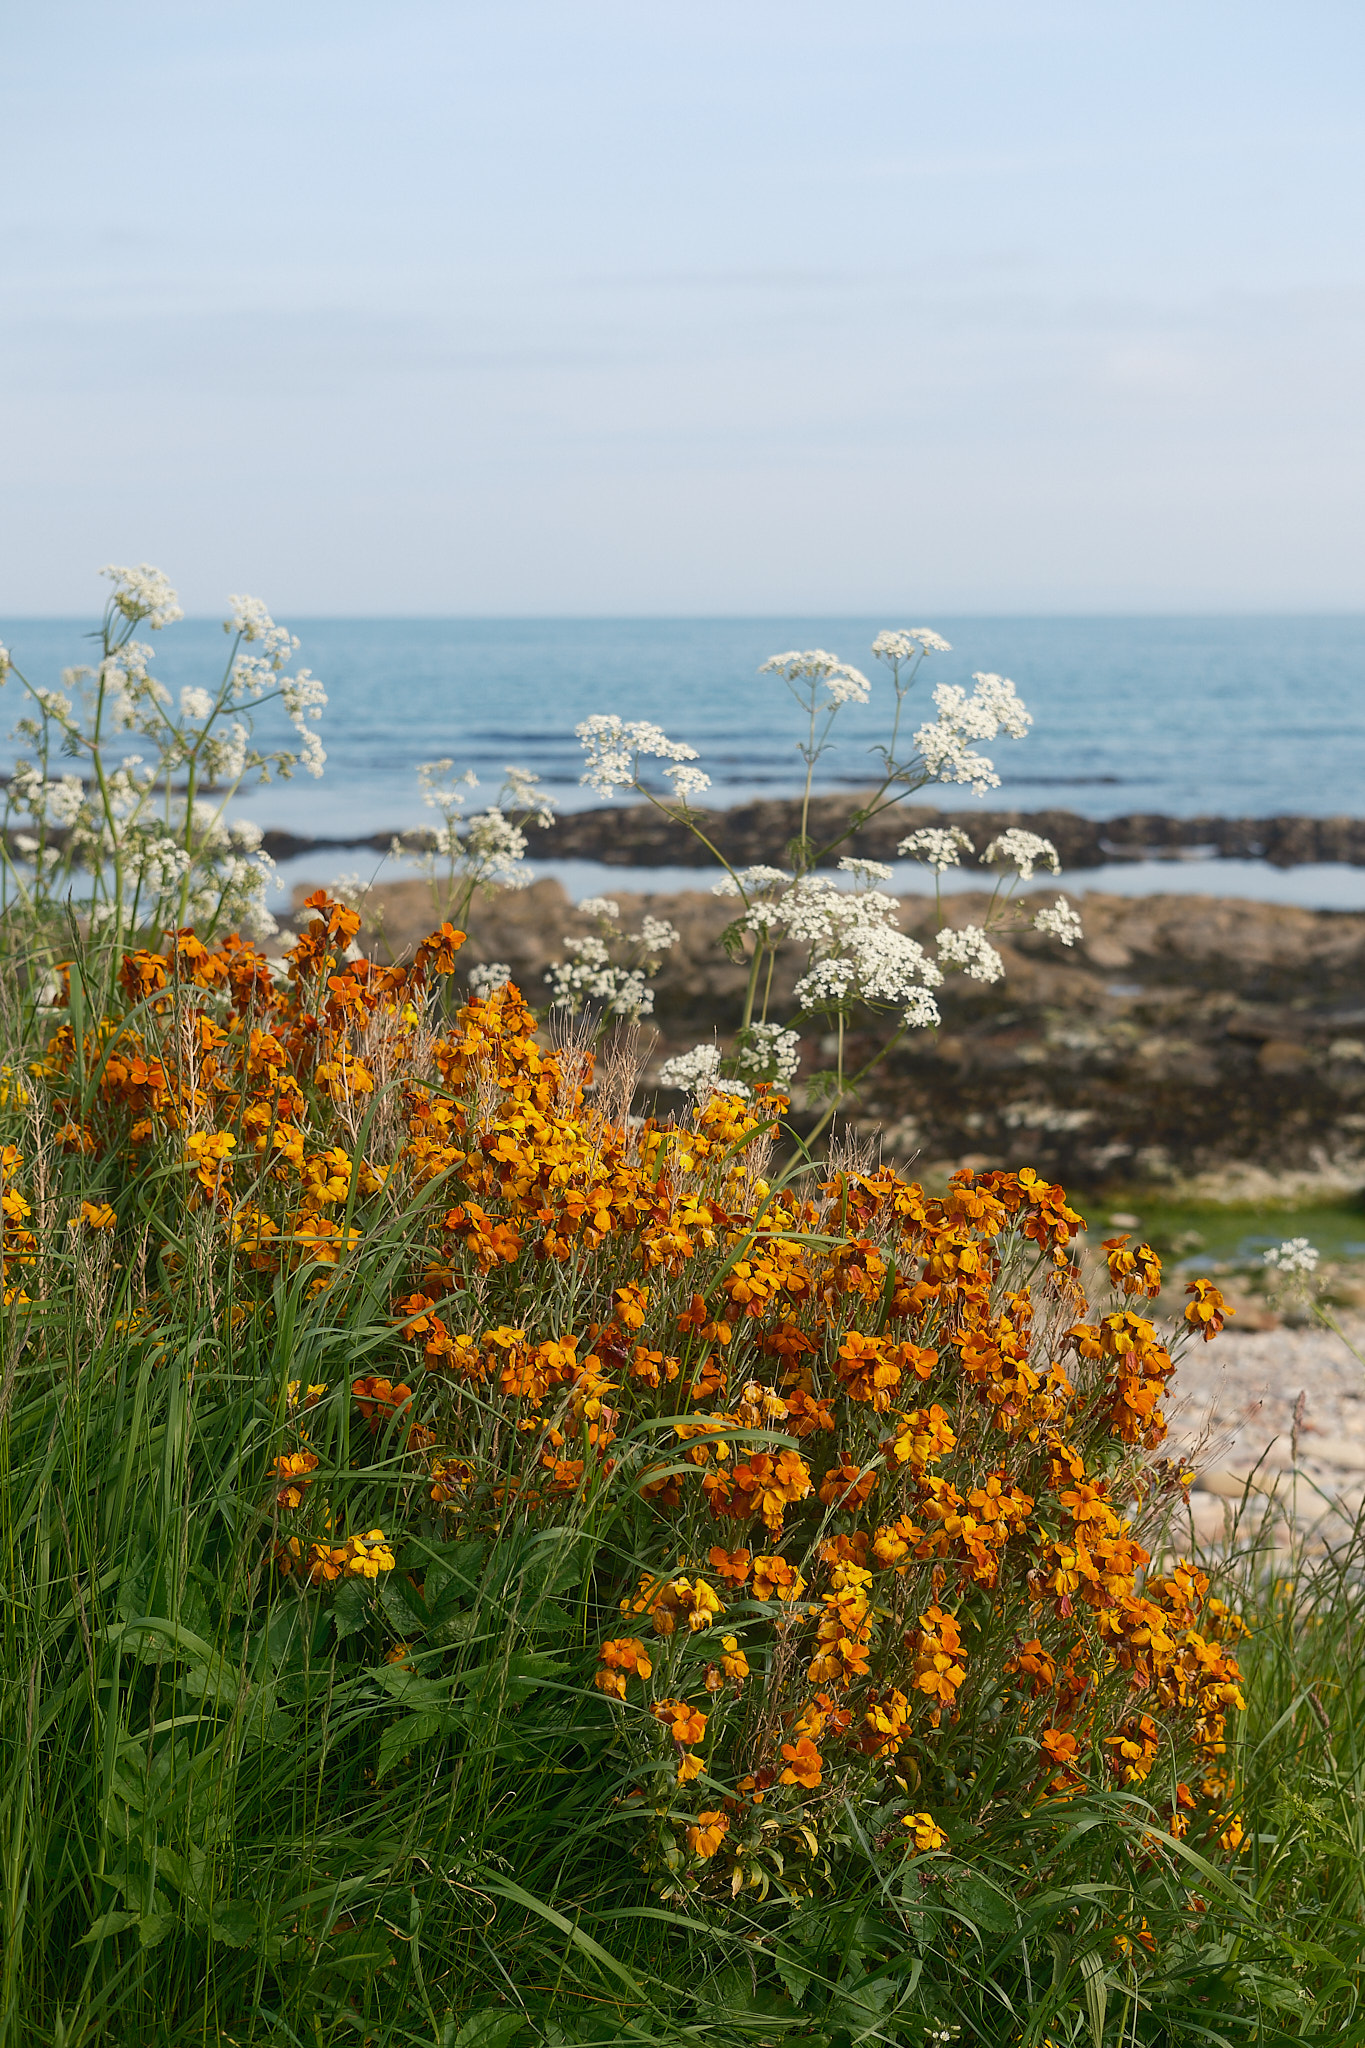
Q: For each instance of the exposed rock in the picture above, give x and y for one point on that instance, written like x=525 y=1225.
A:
x=1227 y=1064
x=637 y=835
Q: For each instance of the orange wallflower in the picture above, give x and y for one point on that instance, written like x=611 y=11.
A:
x=707 y=1833
x=803 y=1764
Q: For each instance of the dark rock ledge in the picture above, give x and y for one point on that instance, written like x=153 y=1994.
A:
x=636 y=835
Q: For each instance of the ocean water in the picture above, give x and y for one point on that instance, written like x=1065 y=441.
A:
x=1230 y=716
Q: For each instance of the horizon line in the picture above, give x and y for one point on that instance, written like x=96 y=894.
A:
x=707 y=618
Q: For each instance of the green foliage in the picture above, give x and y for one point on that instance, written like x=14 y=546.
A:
x=222 y=1818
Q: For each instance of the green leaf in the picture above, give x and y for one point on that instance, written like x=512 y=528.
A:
x=980 y=1903
x=484 y=2030
x=107 y=1924
x=403 y=1608
x=403 y=1736
x=1096 y=1995
x=795 y=1975
x=236 y=1925
x=357 y=1952
x=350 y=1609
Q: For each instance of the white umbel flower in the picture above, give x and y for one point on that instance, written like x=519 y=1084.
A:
x=614 y=747
x=1060 y=922
x=143 y=594
x=969 y=951
x=842 y=684
x=909 y=643
x=687 y=782
x=1025 y=849
x=698 y=1073
x=771 y=1051
x=946 y=746
x=748 y=880
x=493 y=974
x=657 y=936
x=856 y=946
x=939 y=847
x=1295 y=1256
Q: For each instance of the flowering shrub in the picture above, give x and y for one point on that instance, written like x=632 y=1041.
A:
x=870 y=1483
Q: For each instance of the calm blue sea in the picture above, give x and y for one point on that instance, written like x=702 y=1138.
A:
x=1234 y=716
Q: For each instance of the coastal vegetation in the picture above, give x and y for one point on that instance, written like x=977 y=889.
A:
x=490 y=1563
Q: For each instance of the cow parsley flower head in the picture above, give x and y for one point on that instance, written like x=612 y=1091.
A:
x=939 y=847
x=253 y=622
x=969 y=950
x=614 y=747
x=657 y=936
x=304 y=697
x=521 y=791
x=143 y=594
x=842 y=684
x=224 y=753
x=865 y=870
x=491 y=975
x=1025 y=849
x=687 y=782
x=63 y=800
x=749 y=881
x=437 y=791
x=857 y=949
x=599 y=906
x=698 y=1073
x=496 y=847
x=921 y=1013
x=946 y=745
x=770 y=1051
x=194 y=702
x=909 y=643
x=1061 y=922
x=1295 y=1257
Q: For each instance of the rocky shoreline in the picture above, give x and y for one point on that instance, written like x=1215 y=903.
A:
x=1205 y=1047
x=636 y=835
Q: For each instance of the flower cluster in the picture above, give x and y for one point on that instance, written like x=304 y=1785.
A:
x=614 y=748
x=878 y=1475
x=857 y=959
x=947 y=744
x=483 y=851
x=147 y=836
x=592 y=976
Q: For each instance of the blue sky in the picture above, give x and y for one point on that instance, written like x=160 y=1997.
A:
x=433 y=307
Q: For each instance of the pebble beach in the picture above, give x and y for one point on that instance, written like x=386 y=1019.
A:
x=1233 y=1411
